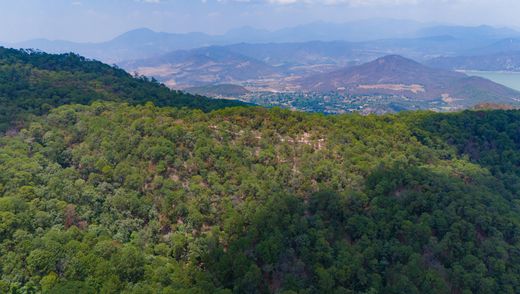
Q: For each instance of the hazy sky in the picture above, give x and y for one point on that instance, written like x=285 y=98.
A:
x=98 y=20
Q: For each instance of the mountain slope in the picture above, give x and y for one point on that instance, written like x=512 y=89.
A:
x=395 y=75
x=34 y=82
x=114 y=198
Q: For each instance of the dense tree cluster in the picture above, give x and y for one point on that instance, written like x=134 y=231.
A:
x=114 y=197
x=34 y=82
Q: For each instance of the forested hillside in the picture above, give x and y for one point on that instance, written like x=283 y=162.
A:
x=113 y=198
x=34 y=82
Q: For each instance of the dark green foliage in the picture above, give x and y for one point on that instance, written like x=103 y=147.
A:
x=489 y=138
x=114 y=198
x=34 y=82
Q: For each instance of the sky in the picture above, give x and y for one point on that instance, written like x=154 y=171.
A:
x=101 y=20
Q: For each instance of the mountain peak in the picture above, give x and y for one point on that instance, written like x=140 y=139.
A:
x=393 y=63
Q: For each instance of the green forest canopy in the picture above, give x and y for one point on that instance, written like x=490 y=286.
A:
x=142 y=199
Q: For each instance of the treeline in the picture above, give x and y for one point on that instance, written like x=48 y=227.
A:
x=113 y=198
x=34 y=82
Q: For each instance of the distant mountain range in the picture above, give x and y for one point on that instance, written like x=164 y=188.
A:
x=222 y=72
x=410 y=38
x=276 y=60
x=135 y=44
x=262 y=68
x=396 y=75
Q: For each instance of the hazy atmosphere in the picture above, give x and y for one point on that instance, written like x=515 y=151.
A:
x=100 y=20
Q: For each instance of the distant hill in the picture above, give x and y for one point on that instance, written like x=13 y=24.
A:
x=34 y=82
x=506 y=61
x=397 y=75
x=202 y=66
